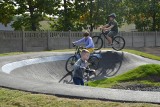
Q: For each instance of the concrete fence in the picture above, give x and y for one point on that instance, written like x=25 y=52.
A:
x=12 y=41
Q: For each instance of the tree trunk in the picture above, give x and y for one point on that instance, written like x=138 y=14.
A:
x=31 y=10
x=91 y=16
x=65 y=15
x=154 y=22
x=154 y=16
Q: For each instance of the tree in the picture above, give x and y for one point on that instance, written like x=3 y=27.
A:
x=80 y=13
x=69 y=15
x=144 y=13
x=7 y=12
x=31 y=12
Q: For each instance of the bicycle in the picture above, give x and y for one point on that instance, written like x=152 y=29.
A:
x=93 y=60
x=117 y=41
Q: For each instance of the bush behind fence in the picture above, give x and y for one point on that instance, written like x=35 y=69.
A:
x=12 y=41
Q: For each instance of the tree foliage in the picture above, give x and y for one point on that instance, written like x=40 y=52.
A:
x=144 y=13
x=77 y=14
x=30 y=11
x=6 y=12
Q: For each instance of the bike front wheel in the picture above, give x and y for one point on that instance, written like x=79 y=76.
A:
x=69 y=66
x=98 y=42
x=118 y=43
x=93 y=62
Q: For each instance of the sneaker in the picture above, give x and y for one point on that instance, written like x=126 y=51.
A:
x=110 y=44
x=94 y=72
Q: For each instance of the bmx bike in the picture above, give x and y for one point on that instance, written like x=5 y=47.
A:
x=118 y=42
x=93 y=61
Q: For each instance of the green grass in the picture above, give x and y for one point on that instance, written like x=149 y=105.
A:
x=14 y=98
x=146 y=55
x=11 y=53
x=145 y=74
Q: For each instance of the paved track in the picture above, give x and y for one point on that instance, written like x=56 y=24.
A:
x=42 y=71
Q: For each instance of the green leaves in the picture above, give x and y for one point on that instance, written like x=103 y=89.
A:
x=6 y=13
x=75 y=14
x=30 y=12
x=144 y=14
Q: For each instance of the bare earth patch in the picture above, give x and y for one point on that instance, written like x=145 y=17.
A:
x=136 y=87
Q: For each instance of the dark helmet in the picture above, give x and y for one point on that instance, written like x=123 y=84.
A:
x=86 y=33
x=112 y=15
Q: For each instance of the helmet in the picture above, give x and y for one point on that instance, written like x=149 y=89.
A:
x=86 y=33
x=112 y=15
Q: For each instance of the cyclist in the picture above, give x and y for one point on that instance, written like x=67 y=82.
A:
x=80 y=67
x=87 y=40
x=111 y=29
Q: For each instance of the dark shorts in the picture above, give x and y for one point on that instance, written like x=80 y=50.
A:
x=111 y=33
x=78 y=81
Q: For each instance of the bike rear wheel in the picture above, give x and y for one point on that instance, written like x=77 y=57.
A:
x=118 y=43
x=69 y=66
x=98 y=42
x=93 y=62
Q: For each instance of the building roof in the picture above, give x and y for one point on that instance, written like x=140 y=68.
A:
x=8 y=27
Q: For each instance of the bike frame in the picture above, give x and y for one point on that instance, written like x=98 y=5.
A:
x=103 y=33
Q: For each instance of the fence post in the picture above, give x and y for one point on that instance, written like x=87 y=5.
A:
x=144 y=40
x=69 y=39
x=23 y=40
x=132 y=40
x=48 y=40
x=156 y=39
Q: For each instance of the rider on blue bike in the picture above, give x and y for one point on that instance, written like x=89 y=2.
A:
x=87 y=40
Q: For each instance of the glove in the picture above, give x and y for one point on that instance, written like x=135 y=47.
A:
x=73 y=45
x=83 y=68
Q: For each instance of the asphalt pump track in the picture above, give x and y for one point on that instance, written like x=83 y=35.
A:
x=44 y=72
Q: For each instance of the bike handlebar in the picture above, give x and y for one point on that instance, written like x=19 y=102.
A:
x=81 y=47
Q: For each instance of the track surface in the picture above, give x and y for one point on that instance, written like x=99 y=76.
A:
x=44 y=72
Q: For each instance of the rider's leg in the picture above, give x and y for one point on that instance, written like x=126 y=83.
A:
x=110 y=35
x=91 y=50
x=109 y=40
x=78 y=81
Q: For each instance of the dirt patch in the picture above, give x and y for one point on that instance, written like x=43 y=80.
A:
x=136 y=87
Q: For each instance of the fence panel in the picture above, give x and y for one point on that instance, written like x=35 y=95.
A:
x=35 y=41
x=157 y=38
x=10 y=41
x=58 y=40
x=128 y=36
x=138 y=39
x=150 y=39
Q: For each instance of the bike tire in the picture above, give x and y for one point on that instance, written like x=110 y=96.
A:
x=118 y=43
x=69 y=66
x=98 y=42
x=93 y=62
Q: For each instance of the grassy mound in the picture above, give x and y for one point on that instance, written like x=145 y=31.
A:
x=145 y=74
x=146 y=55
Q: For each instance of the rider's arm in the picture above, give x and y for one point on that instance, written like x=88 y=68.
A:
x=109 y=28
x=105 y=26
x=79 y=41
x=78 y=65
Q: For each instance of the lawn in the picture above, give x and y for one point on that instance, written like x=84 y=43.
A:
x=15 y=98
